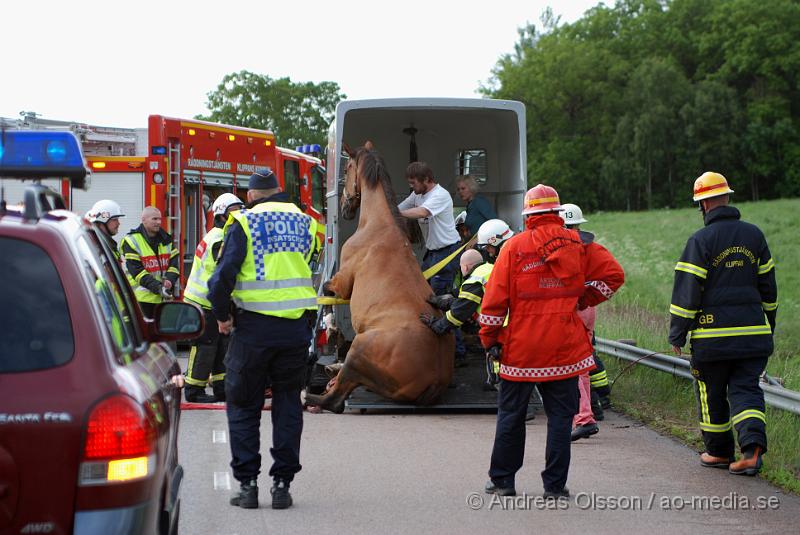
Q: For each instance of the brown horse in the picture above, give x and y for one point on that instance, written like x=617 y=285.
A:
x=393 y=353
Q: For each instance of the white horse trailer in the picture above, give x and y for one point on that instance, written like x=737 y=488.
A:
x=484 y=138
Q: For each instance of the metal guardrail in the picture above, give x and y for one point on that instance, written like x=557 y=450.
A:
x=775 y=396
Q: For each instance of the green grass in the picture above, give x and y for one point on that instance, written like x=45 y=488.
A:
x=648 y=244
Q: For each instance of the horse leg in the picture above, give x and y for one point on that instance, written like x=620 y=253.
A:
x=340 y=284
x=346 y=381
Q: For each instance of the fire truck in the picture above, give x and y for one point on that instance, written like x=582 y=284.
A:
x=180 y=166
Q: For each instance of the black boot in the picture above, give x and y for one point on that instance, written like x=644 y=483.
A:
x=195 y=394
x=247 y=497
x=219 y=391
x=597 y=408
x=281 y=499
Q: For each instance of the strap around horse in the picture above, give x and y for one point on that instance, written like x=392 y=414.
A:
x=437 y=267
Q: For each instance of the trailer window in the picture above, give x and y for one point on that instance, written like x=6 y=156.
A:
x=318 y=188
x=472 y=162
x=291 y=182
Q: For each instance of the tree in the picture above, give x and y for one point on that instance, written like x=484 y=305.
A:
x=297 y=113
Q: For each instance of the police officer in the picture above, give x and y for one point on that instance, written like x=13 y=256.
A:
x=541 y=278
x=264 y=270
x=724 y=301
x=106 y=214
x=151 y=261
x=207 y=353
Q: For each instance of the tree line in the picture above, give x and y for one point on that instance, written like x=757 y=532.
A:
x=629 y=104
x=625 y=107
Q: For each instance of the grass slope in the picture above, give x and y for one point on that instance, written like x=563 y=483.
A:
x=648 y=244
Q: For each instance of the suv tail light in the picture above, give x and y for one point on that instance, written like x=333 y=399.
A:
x=120 y=443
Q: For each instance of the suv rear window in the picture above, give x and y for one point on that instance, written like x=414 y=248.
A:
x=37 y=331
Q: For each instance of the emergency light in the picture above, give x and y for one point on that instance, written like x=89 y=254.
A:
x=159 y=150
x=308 y=149
x=35 y=154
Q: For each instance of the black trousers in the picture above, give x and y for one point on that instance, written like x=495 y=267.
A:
x=250 y=369
x=207 y=356
x=560 y=400
x=729 y=397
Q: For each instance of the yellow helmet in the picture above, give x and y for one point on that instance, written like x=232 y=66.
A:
x=710 y=184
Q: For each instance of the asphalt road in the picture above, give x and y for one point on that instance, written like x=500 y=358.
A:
x=424 y=473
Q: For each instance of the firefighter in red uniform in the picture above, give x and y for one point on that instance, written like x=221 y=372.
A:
x=725 y=301
x=541 y=278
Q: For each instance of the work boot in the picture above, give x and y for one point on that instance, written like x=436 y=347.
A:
x=281 y=499
x=495 y=488
x=584 y=431
x=556 y=494
x=597 y=408
x=195 y=394
x=247 y=497
x=605 y=402
x=712 y=461
x=749 y=464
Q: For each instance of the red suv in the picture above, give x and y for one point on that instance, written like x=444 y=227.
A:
x=88 y=413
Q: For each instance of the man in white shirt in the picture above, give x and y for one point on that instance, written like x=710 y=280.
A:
x=432 y=206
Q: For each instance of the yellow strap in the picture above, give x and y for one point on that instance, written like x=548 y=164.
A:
x=329 y=300
x=437 y=267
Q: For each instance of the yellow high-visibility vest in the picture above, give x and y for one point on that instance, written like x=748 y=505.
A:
x=202 y=268
x=275 y=279
x=154 y=263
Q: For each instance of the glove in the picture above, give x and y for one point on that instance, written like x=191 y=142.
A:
x=439 y=327
x=493 y=365
x=442 y=302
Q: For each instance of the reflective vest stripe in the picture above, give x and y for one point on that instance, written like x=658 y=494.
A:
x=766 y=267
x=598 y=379
x=769 y=306
x=731 y=331
x=682 y=312
x=716 y=428
x=691 y=268
x=703 y=395
x=274 y=284
x=469 y=296
x=452 y=319
x=154 y=263
x=309 y=303
x=555 y=371
x=749 y=413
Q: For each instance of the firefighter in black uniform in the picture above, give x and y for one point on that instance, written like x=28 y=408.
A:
x=725 y=300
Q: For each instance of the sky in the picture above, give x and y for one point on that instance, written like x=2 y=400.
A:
x=113 y=63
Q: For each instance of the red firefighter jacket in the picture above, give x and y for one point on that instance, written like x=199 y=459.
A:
x=540 y=279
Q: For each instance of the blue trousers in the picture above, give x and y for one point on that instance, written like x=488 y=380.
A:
x=442 y=282
x=250 y=369
x=560 y=400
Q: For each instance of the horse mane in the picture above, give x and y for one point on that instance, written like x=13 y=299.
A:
x=374 y=172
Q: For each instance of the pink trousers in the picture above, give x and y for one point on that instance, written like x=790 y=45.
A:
x=584 y=416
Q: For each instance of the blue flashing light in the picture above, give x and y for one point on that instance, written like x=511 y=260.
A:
x=40 y=154
x=308 y=149
x=159 y=150
x=56 y=151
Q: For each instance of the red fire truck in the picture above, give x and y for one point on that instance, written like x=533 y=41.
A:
x=188 y=164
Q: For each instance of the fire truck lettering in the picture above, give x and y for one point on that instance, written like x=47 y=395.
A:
x=210 y=164
x=249 y=168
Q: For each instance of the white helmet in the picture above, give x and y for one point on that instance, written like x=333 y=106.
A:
x=572 y=214
x=494 y=232
x=225 y=201
x=103 y=211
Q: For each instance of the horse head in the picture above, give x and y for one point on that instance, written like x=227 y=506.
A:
x=351 y=188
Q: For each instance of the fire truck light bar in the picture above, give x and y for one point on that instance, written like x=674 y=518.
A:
x=307 y=149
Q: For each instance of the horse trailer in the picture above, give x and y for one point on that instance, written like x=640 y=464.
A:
x=484 y=138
